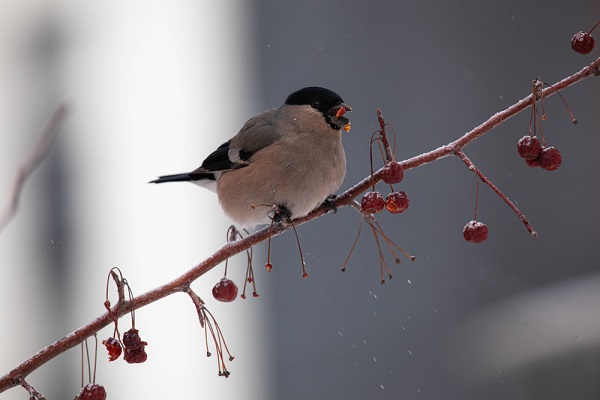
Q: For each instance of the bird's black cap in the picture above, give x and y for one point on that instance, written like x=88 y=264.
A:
x=317 y=97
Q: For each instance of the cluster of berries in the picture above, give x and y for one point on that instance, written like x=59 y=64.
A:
x=134 y=346
x=395 y=202
x=135 y=352
x=536 y=155
x=534 y=151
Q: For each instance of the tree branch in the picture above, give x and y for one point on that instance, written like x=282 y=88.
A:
x=40 y=150
x=182 y=283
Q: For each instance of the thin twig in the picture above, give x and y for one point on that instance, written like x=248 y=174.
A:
x=473 y=168
x=40 y=150
x=33 y=393
x=389 y=155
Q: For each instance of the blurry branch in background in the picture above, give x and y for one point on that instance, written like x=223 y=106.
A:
x=183 y=282
x=34 y=159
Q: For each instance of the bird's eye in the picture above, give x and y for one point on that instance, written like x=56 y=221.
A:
x=316 y=104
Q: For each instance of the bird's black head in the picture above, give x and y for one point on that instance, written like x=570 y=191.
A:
x=324 y=100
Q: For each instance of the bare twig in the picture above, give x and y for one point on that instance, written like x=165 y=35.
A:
x=389 y=155
x=33 y=393
x=182 y=283
x=473 y=168
x=38 y=153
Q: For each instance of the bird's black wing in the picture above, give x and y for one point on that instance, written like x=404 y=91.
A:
x=255 y=135
x=218 y=160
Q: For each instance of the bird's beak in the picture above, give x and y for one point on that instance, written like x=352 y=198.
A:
x=337 y=117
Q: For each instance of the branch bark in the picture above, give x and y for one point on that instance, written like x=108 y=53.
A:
x=182 y=283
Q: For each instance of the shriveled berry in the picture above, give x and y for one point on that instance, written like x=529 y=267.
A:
x=582 y=42
x=225 y=290
x=396 y=203
x=475 y=232
x=372 y=202
x=550 y=159
x=393 y=172
x=136 y=356
x=91 y=391
x=113 y=347
x=132 y=340
x=529 y=147
x=134 y=347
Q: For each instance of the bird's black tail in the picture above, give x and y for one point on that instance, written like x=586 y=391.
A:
x=188 y=177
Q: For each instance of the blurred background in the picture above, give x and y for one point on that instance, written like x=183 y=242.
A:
x=155 y=86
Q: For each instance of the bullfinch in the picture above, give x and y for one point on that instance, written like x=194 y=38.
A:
x=284 y=162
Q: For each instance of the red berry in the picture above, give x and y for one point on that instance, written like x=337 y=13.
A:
x=136 y=356
x=134 y=347
x=225 y=290
x=113 y=347
x=475 y=232
x=372 y=202
x=396 y=203
x=91 y=391
x=132 y=340
x=582 y=42
x=550 y=159
x=529 y=147
x=393 y=172
x=533 y=163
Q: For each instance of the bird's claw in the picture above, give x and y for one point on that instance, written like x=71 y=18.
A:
x=329 y=204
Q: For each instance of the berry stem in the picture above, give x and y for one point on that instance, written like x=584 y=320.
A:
x=304 y=273
x=373 y=139
x=573 y=119
x=353 y=244
x=536 y=94
x=95 y=356
x=207 y=320
x=473 y=168
x=391 y=243
x=590 y=31
x=269 y=265
x=382 y=262
x=476 y=196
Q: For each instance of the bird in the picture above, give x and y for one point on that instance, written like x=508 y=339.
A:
x=282 y=164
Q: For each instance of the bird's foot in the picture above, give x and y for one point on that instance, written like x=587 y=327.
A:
x=329 y=204
x=281 y=215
